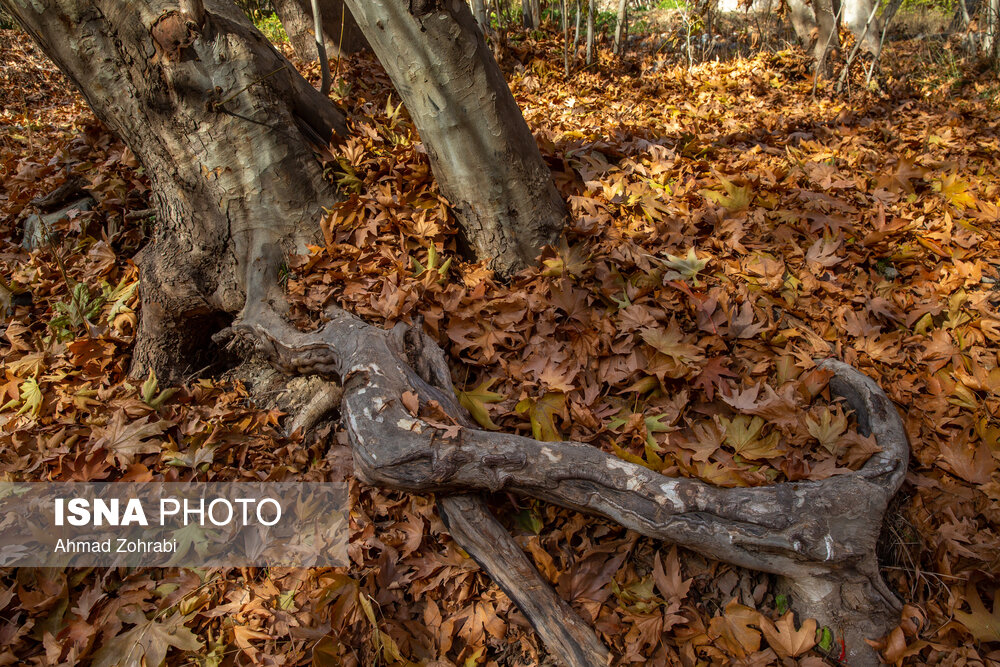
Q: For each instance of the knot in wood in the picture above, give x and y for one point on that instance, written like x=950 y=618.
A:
x=172 y=33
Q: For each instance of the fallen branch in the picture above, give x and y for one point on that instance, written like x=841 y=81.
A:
x=819 y=537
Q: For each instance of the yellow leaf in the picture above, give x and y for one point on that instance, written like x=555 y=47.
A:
x=541 y=413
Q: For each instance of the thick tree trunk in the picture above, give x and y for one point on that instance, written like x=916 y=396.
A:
x=856 y=14
x=341 y=32
x=803 y=20
x=156 y=77
x=482 y=153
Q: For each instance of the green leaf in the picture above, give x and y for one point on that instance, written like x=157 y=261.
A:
x=31 y=397
x=781 y=603
x=475 y=402
x=825 y=642
x=685 y=268
x=541 y=413
x=732 y=198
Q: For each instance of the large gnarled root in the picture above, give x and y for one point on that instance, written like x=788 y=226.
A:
x=818 y=536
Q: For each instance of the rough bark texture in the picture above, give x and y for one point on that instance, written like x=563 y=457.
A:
x=340 y=30
x=621 y=28
x=482 y=153
x=205 y=104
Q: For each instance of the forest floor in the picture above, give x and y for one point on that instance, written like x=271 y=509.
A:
x=730 y=225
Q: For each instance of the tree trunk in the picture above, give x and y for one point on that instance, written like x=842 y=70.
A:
x=590 y=31
x=576 y=28
x=527 y=15
x=340 y=30
x=481 y=151
x=621 y=28
x=856 y=14
x=479 y=10
x=827 y=38
x=803 y=22
x=154 y=78
x=223 y=126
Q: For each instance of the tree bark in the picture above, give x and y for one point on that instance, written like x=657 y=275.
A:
x=155 y=77
x=479 y=11
x=590 y=31
x=804 y=23
x=340 y=30
x=856 y=14
x=621 y=28
x=827 y=38
x=481 y=151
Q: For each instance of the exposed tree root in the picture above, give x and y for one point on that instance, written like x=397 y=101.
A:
x=818 y=536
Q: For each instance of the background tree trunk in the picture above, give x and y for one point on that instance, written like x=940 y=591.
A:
x=483 y=155
x=827 y=38
x=590 y=31
x=527 y=15
x=479 y=10
x=339 y=28
x=804 y=23
x=855 y=15
x=621 y=28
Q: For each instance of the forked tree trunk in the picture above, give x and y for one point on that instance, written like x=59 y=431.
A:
x=340 y=30
x=223 y=125
x=481 y=151
x=155 y=76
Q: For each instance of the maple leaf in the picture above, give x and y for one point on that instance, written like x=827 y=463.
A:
x=124 y=440
x=967 y=460
x=668 y=578
x=147 y=643
x=475 y=402
x=743 y=435
x=733 y=628
x=542 y=413
x=829 y=429
x=732 y=197
x=674 y=344
x=955 y=191
x=981 y=624
x=711 y=376
x=683 y=268
x=785 y=639
x=31 y=397
x=824 y=252
x=742 y=401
